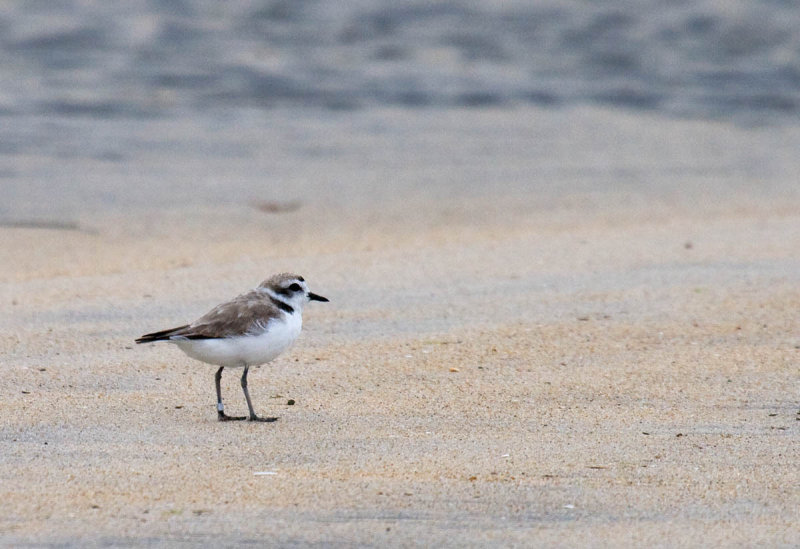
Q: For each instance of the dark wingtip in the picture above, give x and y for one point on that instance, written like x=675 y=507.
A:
x=159 y=336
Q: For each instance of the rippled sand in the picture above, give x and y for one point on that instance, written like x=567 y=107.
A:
x=579 y=329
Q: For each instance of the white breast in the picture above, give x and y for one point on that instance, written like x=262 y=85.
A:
x=251 y=350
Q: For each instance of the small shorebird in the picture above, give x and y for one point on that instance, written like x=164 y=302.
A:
x=249 y=330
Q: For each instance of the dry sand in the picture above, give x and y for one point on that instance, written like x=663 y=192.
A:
x=597 y=368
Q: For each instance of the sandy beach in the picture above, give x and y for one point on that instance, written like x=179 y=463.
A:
x=553 y=328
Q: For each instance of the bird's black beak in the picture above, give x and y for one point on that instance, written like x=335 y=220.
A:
x=315 y=297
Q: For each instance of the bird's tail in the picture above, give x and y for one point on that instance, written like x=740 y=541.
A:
x=160 y=336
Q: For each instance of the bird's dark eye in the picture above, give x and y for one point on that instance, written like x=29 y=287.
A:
x=295 y=287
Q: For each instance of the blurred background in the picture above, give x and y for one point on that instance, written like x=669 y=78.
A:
x=108 y=108
x=186 y=57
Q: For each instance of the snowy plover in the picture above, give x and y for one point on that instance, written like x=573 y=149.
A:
x=249 y=330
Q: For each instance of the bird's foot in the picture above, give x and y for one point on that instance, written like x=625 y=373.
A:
x=222 y=416
x=262 y=419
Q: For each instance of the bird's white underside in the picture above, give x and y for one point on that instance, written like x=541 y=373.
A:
x=252 y=349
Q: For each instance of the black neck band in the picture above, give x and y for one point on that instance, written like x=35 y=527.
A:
x=281 y=305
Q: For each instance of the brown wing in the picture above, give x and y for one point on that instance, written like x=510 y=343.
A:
x=236 y=317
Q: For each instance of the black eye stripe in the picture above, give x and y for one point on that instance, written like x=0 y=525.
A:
x=289 y=290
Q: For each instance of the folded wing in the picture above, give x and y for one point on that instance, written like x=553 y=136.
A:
x=248 y=313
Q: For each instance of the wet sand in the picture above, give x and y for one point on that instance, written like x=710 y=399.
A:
x=594 y=366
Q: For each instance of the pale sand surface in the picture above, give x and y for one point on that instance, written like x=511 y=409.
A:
x=592 y=367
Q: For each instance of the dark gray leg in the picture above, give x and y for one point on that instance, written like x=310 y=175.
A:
x=253 y=416
x=221 y=409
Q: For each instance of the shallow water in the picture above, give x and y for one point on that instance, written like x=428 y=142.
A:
x=158 y=105
x=706 y=58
